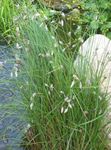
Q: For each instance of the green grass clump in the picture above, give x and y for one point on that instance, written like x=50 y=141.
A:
x=11 y=13
x=64 y=105
x=7 y=11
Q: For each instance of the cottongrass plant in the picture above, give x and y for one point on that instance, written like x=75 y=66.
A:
x=62 y=99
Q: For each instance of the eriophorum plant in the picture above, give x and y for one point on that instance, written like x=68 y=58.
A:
x=64 y=105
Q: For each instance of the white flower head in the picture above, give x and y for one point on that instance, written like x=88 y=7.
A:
x=17 y=6
x=80 y=85
x=75 y=77
x=18 y=46
x=46 y=85
x=74 y=45
x=52 y=11
x=62 y=23
x=27 y=127
x=49 y=92
x=63 y=14
x=51 y=87
x=34 y=94
x=63 y=50
x=70 y=105
x=60 y=42
x=32 y=97
x=66 y=110
x=46 y=28
x=67 y=99
x=62 y=110
x=17 y=29
x=100 y=98
x=69 y=34
x=24 y=17
x=62 y=92
x=72 y=84
x=35 y=16
x=53 y=37
x=47 y=54
x=31 y=106
x=55 y=45
x=79 y=27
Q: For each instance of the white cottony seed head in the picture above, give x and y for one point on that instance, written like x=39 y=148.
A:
x=72 y=84
x=18 y=46
x=63 y=14
x=27 y=127
x=17 y=29
x=34 y=94
x=69 y=105
x=46 y=85
x=75 y=77
x=61 y=23
x=31 y=105
x=69 y=34
x=62 y=110
x=80 y=85
x=51 y=87
x=66 y=110
x=67 y=99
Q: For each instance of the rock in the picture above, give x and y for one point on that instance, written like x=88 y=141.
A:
x=97 y=50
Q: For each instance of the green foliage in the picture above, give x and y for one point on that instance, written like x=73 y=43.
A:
x=90 y=17
x=10 y=11
x=97 y=16
x=7 y=12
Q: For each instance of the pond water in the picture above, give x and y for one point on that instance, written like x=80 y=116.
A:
x=10 y=125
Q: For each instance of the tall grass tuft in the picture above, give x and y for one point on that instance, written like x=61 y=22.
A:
x=11 y=12
x=62 y=98
x=7 y=12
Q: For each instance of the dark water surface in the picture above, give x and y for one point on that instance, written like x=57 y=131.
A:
x=10 y=125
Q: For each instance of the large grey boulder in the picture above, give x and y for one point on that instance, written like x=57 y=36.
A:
x=97 y=51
